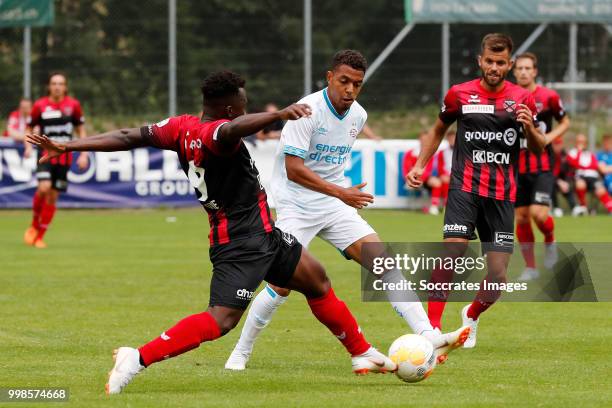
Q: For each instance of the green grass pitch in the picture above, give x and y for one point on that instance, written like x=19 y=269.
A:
x=112 y=278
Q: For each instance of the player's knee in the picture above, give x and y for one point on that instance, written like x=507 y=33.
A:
x=227 y=323
x=434 y=182
x=580 y=185
x=280 y=291
x=225 y=320
x=43 y=189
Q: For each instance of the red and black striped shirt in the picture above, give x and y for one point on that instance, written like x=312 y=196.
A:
x=226 y=184
x=57 y=120
x=487 y=147
x=549 y=107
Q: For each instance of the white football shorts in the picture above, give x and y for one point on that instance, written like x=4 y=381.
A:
x=341 y=227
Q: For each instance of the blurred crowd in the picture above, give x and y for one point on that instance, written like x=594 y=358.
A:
x=583 y=178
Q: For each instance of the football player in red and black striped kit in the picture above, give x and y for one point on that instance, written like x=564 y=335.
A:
x=245 y=247
x=536 y=180
x=492 y=114
x=58 y=116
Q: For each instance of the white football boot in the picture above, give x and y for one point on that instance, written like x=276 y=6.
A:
x=579 y=210
x=434 y=210
x=238 y=360
x=472 y=324
x=372 y=361
x=552 y=256
x=444 y=343
x=529 y=274
x=127 y=365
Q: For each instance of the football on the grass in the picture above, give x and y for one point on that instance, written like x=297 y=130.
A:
x=414 y=356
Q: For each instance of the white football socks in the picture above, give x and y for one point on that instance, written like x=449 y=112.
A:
x=407 y=304
x=262 y=309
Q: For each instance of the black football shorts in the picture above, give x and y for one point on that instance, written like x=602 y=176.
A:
x=241 y=265
x=467 y=213
x=535 y=188
x=57 y=173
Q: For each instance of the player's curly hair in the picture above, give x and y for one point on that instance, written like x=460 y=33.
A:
x=221 y=84
x=352 y=58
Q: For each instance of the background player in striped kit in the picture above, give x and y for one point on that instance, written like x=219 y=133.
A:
x=536 y=180
x=58 y=116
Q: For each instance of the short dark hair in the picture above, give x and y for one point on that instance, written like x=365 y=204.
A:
x=529 y=55
x=497 y=42
x=352 y=58
x=221 y=84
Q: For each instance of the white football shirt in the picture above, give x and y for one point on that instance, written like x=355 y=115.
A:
x=325 y=141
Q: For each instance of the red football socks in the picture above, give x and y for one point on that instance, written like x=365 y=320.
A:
x=436 y=301
x=37 y=206
x=605 y=200
x=436 y=193
x=334 y=314
x=46 y=216
x=182 y=337
x=435 y=309
x=526 y=238
x=477 y=307
x=445 y=192
x=548 y=229
x=581 y=197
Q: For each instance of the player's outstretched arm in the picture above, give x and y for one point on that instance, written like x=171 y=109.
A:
x=536 y=141
x=430 y=145
x=250 y=124
x=116 y=140
x=300 y=174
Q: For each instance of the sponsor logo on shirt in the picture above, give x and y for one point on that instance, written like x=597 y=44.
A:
x=509 y=136
x=478 y=109
x=484 y=156
x=474 y=99
x=51 y=113
x=334 y=154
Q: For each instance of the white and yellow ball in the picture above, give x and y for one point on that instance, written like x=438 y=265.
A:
x=414 y=356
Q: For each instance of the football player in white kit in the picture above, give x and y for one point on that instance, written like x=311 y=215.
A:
x=307 y=186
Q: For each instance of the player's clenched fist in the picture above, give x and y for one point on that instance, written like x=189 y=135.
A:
x=524 y=116
x=295 y=111
x=414 y=178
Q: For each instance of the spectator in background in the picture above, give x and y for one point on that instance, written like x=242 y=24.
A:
x=604 y=157
x=435 y=176
x=18 y=120
x=369 y=133
x=587 y=175
x=564 y=179
x=272 y=131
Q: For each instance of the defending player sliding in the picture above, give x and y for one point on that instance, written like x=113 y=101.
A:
x=492 y=114
x=311 y=201
x=245 y=246
x=536 y=181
